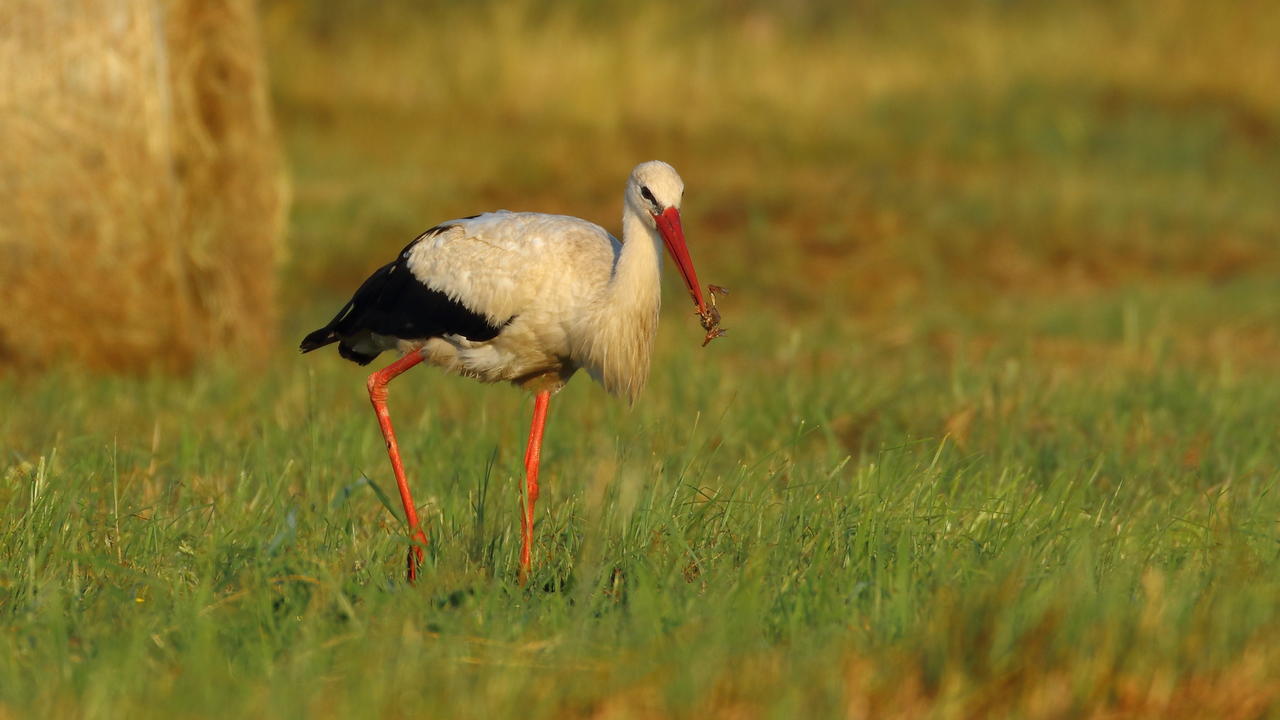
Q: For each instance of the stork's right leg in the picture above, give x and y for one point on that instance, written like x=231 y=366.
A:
x=378 y=396
x=532 y=458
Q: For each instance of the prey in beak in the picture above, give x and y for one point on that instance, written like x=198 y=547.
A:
x=668 y=222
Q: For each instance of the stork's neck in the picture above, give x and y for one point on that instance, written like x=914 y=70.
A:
x=637 y=277
x=624 y=320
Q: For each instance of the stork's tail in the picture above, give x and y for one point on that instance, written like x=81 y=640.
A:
x=318 y=339
x=327 y=336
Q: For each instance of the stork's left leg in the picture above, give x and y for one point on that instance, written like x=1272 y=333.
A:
x=377 y=385
x=532 y=456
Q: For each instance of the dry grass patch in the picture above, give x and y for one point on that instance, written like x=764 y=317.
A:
x=141 y=190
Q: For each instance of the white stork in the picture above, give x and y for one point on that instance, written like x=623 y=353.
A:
x=526 y=298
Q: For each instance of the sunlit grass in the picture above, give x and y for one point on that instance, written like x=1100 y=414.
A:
x=822 y=522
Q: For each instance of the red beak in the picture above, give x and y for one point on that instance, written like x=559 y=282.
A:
x=669 y=225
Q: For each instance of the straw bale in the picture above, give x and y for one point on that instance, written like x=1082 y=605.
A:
x=141 y=188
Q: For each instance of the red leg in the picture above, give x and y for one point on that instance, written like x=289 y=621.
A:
x=378 y=396
x=532 y=455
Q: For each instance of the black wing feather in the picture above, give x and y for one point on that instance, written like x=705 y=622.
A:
x=394 y=303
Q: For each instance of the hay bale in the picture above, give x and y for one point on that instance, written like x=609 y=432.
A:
x=141 y=188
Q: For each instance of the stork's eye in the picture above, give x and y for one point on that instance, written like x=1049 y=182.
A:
x=644 y=193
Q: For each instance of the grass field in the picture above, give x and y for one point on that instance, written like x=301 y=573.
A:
x=993 y=433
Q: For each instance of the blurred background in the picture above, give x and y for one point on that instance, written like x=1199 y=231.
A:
x=898 y=171
x=895 y=170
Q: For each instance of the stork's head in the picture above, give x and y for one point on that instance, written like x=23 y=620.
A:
x=654 y=192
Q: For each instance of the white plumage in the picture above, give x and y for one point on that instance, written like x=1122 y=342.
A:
x=539 y=277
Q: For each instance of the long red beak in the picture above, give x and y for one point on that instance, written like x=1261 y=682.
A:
x=669 y=225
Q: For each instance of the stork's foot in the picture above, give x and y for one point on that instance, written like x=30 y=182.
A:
x=525 y=563
x=413 y=563
x=526 y=542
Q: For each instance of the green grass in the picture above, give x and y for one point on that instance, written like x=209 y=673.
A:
x=788 y=529
x=993 y=432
